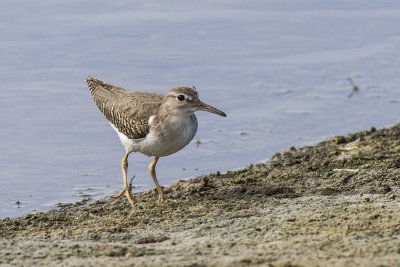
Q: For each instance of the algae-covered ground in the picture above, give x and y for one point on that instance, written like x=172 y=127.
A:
x=333 y=204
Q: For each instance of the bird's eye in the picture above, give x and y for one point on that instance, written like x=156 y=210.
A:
x=180 y=97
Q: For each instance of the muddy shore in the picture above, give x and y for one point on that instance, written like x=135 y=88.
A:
x=333 y=204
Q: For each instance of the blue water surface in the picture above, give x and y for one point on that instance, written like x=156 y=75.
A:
x=279 y=69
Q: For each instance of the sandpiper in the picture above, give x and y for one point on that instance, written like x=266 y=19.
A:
x=149 y=123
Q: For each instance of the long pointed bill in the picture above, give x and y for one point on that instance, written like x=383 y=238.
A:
x=205 y=107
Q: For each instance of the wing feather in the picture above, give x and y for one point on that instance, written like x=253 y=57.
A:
x=129 y=111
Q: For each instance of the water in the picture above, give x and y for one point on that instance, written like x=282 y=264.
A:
x=279 y=69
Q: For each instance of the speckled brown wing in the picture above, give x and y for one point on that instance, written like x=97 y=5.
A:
x=129 y=111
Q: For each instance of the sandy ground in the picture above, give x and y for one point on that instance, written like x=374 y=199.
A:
x=333 y=204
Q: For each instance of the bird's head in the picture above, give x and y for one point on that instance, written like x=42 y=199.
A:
x=186 y=100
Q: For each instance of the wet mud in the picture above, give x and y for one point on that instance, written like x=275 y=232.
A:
x=336 y=203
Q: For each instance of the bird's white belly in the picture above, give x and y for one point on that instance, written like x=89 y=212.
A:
x=160 y=145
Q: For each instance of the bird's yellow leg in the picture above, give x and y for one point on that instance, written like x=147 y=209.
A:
x=127 y=188
x=152 y=171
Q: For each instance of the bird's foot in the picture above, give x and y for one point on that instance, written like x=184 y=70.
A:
x=128 y=194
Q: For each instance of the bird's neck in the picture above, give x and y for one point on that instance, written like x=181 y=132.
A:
x=173 y=118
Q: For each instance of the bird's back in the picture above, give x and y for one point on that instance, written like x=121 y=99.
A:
x=129 y=111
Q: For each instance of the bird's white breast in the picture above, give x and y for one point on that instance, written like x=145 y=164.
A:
x=170 y=140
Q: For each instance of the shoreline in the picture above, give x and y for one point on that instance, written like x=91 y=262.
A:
x=334 y=203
